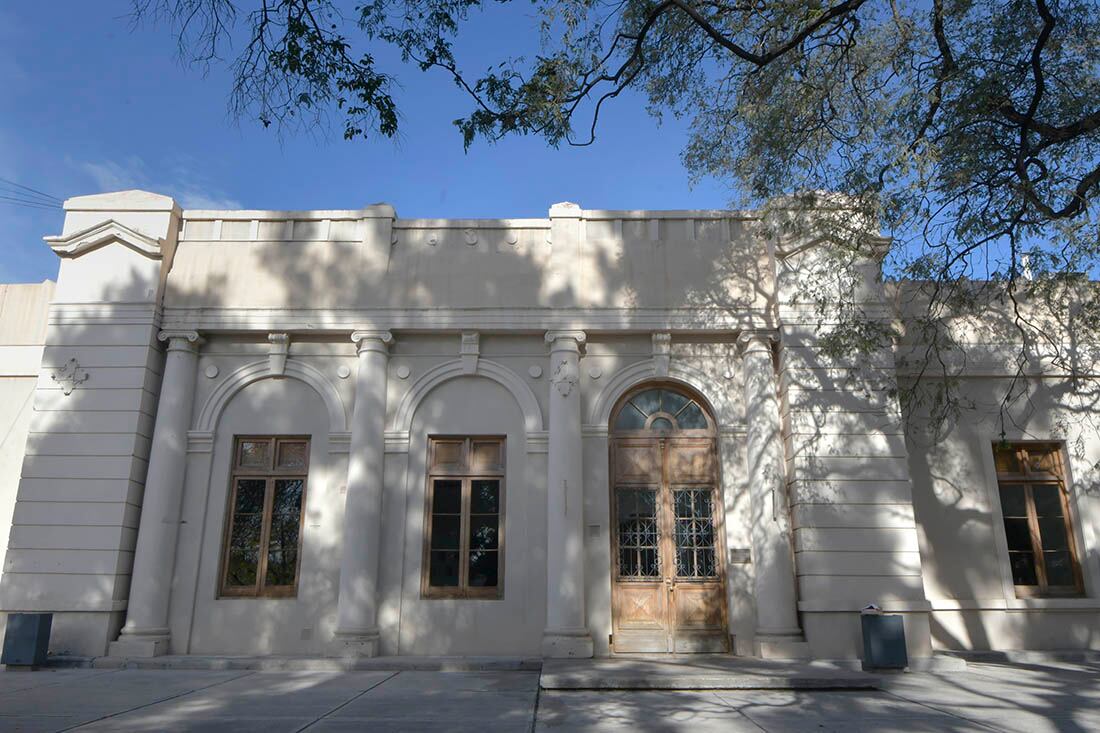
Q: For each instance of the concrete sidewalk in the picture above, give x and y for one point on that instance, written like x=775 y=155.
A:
x=1031 y=698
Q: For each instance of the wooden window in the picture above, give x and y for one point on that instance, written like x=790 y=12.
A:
x=464 y=533
x=263 y=534
x=1035 y=507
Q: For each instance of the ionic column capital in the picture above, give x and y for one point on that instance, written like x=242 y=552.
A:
x=757 y=341
x=372 y=340
x=178 y=340
x=566 y=340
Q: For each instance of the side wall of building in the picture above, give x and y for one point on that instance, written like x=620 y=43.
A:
x=22 y=332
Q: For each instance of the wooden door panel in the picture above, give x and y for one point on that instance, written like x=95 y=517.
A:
x=698 y=606
x=690 y=461
x=642 y=606
x=637 y=462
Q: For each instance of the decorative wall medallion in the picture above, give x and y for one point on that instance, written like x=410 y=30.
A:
x=403 y=372
x=564 y=378
x=343 y=371
x=471 y=236
x=211 y=371
x=433 y=240
x=535 y=371
x=69 y=376
x=595 y=372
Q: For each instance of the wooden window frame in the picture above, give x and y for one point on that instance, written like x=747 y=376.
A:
x=1026 y=478
x=467 y=475
x=270 y=473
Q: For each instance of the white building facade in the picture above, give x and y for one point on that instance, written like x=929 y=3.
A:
x=602 y=432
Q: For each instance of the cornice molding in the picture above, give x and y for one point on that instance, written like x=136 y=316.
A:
x=102 y=234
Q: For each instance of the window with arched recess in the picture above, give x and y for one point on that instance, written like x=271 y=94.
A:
x=661 y=409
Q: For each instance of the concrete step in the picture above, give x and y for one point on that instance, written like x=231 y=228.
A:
x=699 y=672
x=292 y=663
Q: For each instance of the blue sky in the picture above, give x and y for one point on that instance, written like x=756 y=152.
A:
x=91 y=104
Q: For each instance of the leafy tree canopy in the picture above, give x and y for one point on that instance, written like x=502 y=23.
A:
x=969 y=130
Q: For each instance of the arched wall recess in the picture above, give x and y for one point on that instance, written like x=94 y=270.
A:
x=257 y=370
x=525 y=398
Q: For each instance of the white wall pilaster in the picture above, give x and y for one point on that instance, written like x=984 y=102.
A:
x=357 y=609
x=566 y=634
x=776 y=600
x=146 y=631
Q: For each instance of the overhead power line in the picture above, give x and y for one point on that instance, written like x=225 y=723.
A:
x=28 y=191
x=12 y=201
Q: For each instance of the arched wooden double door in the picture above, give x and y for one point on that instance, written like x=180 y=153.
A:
x=667 y=544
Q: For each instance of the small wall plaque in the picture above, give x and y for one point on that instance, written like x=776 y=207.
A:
x=740 y=556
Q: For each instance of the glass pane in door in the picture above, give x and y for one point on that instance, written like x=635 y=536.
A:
x=638 y=533
x=694 y=533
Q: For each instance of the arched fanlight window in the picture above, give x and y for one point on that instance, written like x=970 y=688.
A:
x=662 y=410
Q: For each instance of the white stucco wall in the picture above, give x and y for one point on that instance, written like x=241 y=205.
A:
x=962 y=542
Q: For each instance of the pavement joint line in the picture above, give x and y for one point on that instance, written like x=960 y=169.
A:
x=723 y=701
x=942 y=710
x=154 y=702
x=347 y=702
x=535 y=712
x=93 y=673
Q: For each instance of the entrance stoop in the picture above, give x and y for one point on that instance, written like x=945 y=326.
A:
x=699 y=672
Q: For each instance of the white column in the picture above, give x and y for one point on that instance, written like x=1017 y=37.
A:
x=776 y=599
x=146 y=631
x=357 y=609
x=566 y=634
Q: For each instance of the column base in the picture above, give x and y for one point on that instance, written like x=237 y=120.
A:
x=152 y=643
x=356 y=644
x=564 y=643
x=782 y=644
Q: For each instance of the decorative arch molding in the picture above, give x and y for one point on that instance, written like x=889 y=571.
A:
x=257 y=370
x=640 y=372
x=525 y=398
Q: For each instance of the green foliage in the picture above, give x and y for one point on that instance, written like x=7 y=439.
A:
x=968 y=131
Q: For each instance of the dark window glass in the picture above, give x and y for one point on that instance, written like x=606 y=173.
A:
x=1014 y=500
x=1037 y=530
x=465 y=538
x=661 y=423
x=630 y=419
x=694 y=533
x=636 y=511
x=447 y=497
x=446 y=531
x=1023 y=568
x=483 y=568
x=485 y=497
x=692 y=418
x=1059 y=567
x=648 y=402
x=1048 y=500
x=685 y=413
x=444 y=568
x=264 y=535
x=1018 y=532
